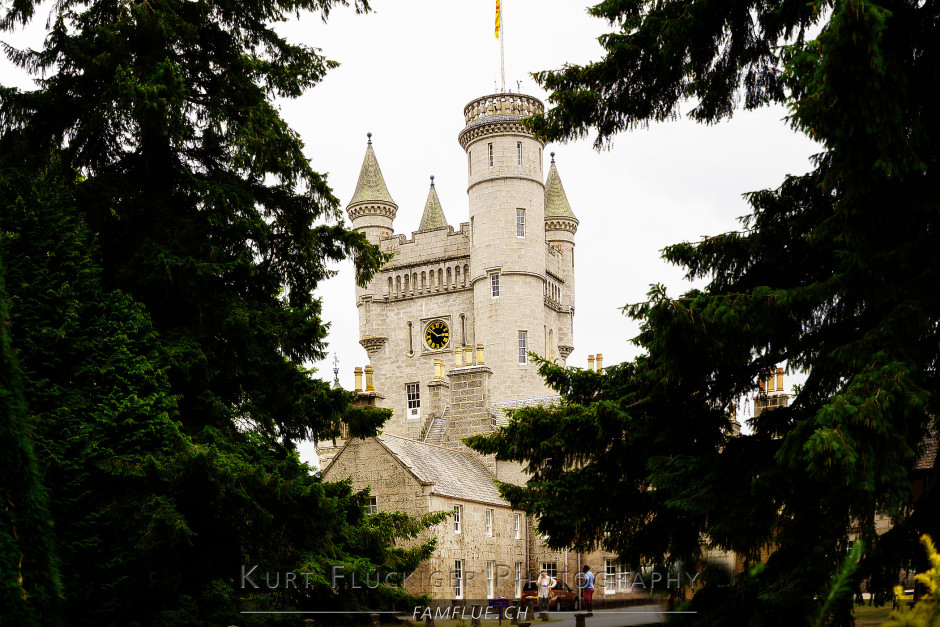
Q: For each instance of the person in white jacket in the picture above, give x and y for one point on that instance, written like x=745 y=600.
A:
x=546 y=584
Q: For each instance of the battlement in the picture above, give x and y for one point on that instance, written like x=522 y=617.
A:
x=502 y=105
x=431 y=262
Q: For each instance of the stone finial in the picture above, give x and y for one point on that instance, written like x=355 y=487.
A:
x=458 y=357
x=370 y=379
x=438 y=369
x=358 y=374
x=480 y=354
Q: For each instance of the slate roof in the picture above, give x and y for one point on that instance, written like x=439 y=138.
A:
x=371 y=185
x=556 y=201
x=537 y=401
x=433 y=216
x=452 y=473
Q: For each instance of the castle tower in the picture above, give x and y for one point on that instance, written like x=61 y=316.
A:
x=372 y=212
x=507 y=239
x=560 y=228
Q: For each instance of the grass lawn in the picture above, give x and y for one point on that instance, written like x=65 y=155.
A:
x=871 y=616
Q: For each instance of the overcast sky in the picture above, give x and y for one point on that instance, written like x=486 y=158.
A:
x=406 y=72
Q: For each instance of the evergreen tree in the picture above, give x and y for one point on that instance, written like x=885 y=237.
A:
x=163 y=236
x=831 y=273
x=30 y=588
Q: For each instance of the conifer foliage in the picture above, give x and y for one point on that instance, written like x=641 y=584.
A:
x=163 y=235
x=832 y=273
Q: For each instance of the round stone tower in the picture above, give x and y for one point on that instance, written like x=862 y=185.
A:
x=507 y=238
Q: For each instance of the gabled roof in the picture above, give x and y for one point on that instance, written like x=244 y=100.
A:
x=556 y=201
x=371 y=186
x=433 y=216
x=452 y=473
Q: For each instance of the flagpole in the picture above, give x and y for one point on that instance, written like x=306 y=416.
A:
x=502 y=56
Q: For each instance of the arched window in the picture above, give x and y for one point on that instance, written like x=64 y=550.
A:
x=414 y=282
x=398 y=285
x=424 y=281
x=391 y=286
x=466 y=271
x=449 y=283
x=406 y=284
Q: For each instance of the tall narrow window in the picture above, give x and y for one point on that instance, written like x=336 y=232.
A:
x=469 y=163
x=523 y=340
x=458 y=579
x=494 y=285
x=610 y=576
x=413 y=398
x=520 y=222
x=517 y=525
x=490 y=579
x=411 y=346
x=491 y=155
x=519 y=152
x=373 y=505
x=489 y=523
x=458 y=513
x=518 y=580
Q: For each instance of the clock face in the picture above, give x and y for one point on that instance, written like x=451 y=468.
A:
x=437 y=334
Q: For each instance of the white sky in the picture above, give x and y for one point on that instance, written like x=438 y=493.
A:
x=406 y=72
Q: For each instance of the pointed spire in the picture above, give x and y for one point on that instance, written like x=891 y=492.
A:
x=433 y=217
x=556 y=202
x=371 y=186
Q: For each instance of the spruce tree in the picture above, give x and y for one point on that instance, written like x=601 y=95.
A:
x=30 y=587
x=831 y=274
x=164 y=235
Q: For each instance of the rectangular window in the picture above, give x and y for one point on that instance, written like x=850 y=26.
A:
x=458 y=579
x=413 y=396
x=458 y=513
x=519 y=151
x=491 y=155
x=470 y=163
x=523 y=358
x=520 y=222
x=373 y=505
x=517 y=525
x=610 y=576
x=490 y=580
x=551 y=568
x=518 y=580
x=494 y=285
x=489 y=523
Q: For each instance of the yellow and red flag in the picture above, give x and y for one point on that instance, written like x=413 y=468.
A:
x=497 y=19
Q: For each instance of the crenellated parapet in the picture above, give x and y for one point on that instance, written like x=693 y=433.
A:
x=498 y=114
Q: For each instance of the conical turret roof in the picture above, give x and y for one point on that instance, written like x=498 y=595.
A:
x=433 y=216
x=371 y=186
x=556 y=202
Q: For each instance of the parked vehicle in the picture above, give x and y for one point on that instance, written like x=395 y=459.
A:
x=563 y=596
